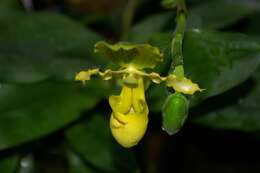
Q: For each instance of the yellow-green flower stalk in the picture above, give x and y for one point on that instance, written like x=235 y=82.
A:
x=129 y=116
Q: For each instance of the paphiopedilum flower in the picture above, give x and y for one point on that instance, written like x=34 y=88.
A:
x=129 y=116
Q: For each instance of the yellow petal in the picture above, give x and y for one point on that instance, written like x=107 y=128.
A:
x=139 y=102
x=183 y=85
x=123 y=102
x=86 y=75
x=156 y=78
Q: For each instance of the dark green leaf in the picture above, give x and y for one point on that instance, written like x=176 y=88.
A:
x=219 y=61
x=253 y=25
x=156 y=95
x=169 y=3
x=238 y=109
x=216 y=61
x=92 y=139
x=209 y=14
x=153 y=24
x=77 y=165
x=43 y=46
x=39 y=47
x=8 y=164
x=31 y=111
x=9 y=7
x=220 y=13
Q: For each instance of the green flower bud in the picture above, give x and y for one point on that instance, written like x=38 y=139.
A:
x=175 y=111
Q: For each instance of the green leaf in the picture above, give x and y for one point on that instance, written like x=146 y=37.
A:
x=142 y=31
x=40 y=54
x=127 y=54
x=156 y=95
x=220 y=13
x=8 y=164
x=209 y=14
x=77 y=165
x=253 y=26
x=28 y=112
x=9 y=7
x=40 y=46
x=92 y=139
x=219 y=61
x=235 y=110
x=216 y=61
x=169 y=3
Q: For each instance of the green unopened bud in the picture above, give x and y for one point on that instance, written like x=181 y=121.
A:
x=175 y=111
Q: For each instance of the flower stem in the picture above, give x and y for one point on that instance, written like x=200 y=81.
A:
x=176 y=45
x=127 y=18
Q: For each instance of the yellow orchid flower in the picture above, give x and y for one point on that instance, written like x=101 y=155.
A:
x=129 y=118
